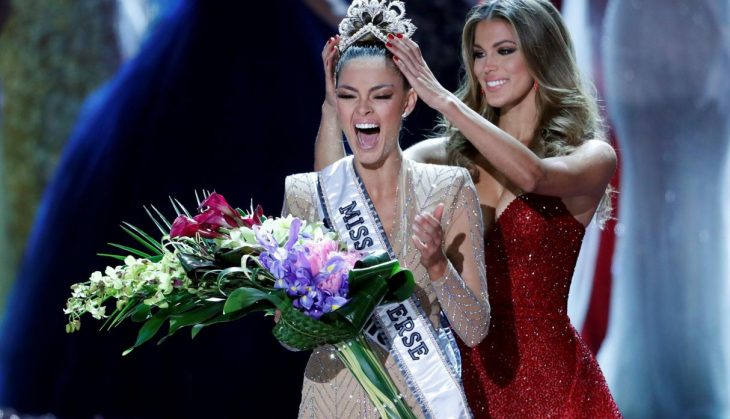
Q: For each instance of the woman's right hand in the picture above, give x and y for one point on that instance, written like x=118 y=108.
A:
x=330 y=54
x=328 y=146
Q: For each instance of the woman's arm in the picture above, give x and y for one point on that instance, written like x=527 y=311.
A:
x=431 y=150
x=328 y=147
x=452 y=251
x=586 y=171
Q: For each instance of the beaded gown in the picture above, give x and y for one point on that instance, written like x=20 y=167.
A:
x=329 y=389
x=532 y=363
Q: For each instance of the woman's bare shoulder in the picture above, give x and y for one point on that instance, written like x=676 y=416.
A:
x=596 y=148
x=430 y=150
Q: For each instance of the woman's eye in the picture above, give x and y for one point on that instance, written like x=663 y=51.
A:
x=383 y=96
x=505 y=51
x=345 y=96
x=478 y=54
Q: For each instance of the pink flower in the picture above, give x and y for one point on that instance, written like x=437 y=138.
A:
x=319 y=253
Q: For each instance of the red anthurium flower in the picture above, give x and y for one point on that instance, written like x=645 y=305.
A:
x=211 y=220
x=255 y=218
x=216 y=204
x=184 y=227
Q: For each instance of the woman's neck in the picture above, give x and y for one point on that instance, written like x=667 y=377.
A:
x=521 y=120
x=380 y=181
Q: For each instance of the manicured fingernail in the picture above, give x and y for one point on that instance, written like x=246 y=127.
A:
x=390 y=36
x=400 y=35
x=389 y=45
x=395 y=58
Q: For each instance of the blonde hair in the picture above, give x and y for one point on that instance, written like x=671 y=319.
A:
x=565 y=102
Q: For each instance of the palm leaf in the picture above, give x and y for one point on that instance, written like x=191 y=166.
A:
x=132 y=250
x=109 y=255
x=143 y=238
x=182 y=207
x=157 y=222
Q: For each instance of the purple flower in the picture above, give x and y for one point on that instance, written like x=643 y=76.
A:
x=273 y=264
x=266 y=239
x=294 y=228
x=332 y=276
x=333 y=303
x=313 y=273
x=315 y=313
x=298 y=287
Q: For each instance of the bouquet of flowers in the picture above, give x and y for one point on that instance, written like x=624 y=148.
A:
x=225 y=263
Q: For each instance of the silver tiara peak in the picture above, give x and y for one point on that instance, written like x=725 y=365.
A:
x=377 y=17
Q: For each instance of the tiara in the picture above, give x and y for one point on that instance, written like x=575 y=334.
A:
x=377 y=17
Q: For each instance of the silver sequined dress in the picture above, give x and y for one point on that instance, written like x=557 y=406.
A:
x=329 y=390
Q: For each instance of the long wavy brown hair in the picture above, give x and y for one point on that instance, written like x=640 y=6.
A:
x=566 y=103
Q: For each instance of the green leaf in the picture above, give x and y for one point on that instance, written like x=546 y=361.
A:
x=109 y=255
x=143 y=238
x=148 y=330
x=131 y=250
x=234 y=273
x=375 y=258
x=195 y=316
x=119 y=315
x=300 y=331
x=224 y=318
x=375 y=280
x=243 y=297
x=196 y=267
x=157 y=222
x=182 y=207
x=233 y=257
x=141 y=313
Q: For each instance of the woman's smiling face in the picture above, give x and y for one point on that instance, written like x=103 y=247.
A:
x=500 y=66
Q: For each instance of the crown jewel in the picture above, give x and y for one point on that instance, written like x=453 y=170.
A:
x=377 y=17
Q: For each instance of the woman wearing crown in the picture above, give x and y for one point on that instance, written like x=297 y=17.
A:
x=426 y=216
x=530 y=135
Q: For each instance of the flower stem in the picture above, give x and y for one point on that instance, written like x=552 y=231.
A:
x=364 y=364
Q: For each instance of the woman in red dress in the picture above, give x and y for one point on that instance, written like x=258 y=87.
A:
x=530 y=134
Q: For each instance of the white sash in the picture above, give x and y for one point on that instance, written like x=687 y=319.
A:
x=347 y=208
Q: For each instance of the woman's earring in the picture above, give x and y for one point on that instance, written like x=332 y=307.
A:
x=534 y=85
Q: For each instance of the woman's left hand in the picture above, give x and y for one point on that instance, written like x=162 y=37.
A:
x=408 y=58
x=428 y=238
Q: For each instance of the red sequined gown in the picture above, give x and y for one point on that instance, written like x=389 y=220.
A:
x=532 y=363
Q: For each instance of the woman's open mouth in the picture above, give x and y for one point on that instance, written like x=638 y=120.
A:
x=367 y=135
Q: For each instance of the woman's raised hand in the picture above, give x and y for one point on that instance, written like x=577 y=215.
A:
x=428 y=239
x=328 y=145
x=330 y=53
x=407 y=56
